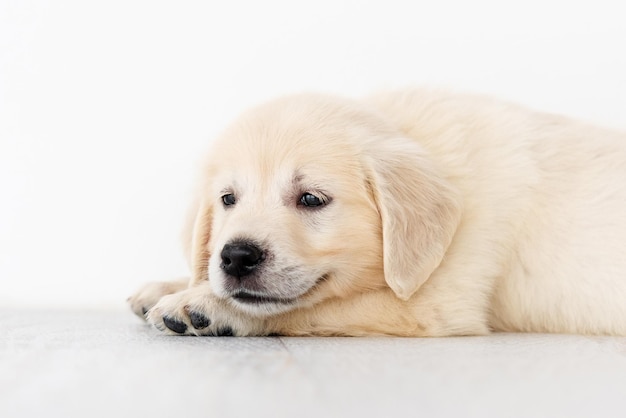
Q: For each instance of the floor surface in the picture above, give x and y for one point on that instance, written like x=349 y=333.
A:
x=109 y=364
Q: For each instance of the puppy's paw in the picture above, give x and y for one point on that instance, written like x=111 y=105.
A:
x=195 y=311
x=149 y=294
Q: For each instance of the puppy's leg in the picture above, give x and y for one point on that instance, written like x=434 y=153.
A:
x=378 y=313
x=196 y=311
x=149 y=294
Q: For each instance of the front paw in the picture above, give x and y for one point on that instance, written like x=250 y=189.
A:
x=149 y=294
x=196 y=311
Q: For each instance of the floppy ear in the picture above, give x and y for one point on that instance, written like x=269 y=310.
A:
x=196 y=235
x=419 y=210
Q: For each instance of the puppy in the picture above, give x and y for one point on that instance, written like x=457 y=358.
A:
x=416 y=213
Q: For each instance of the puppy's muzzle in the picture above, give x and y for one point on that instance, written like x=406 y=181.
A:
x=240 y=259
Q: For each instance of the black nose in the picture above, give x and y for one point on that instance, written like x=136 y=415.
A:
x=240 y=259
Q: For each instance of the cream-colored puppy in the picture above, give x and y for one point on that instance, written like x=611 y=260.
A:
x=418 y=213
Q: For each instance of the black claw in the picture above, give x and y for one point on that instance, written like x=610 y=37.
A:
x=224 y=332
x=199 y=321
x=144 y=311
x=174 y=325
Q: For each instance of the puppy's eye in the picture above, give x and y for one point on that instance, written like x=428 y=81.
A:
x=228 y=199
x=310 y=200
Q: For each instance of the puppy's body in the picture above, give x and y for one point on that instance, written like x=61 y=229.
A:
x=544 y=210
x=441 y=215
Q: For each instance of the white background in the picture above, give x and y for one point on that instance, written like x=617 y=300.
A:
x=105 y=106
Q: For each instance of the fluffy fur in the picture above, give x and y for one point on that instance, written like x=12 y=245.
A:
x=441 y=214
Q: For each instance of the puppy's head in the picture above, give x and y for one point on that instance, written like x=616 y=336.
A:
x=308 y=198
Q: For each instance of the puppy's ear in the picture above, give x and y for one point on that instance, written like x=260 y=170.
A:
x=196 y=236
x=419 y=209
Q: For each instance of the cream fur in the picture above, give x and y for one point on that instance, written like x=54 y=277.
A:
x=448 y=215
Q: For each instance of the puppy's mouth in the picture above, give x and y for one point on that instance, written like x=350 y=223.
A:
x=252 y=298
x=259 y=299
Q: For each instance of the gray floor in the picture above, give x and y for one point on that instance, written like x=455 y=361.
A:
x=99 y=364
